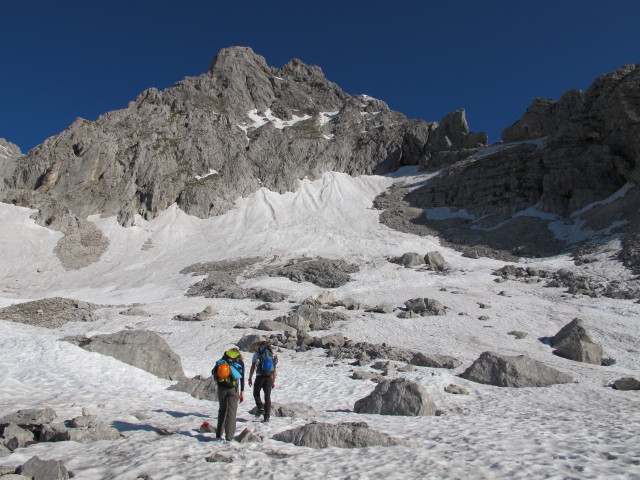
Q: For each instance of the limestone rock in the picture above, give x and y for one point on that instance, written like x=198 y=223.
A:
x=425 y=306
x=574 y=342
x=322 y=299
x=513 y=371
x=399 y=396
x=141 y=348
x=343 y=435
x=44 y=469
x=15 y=437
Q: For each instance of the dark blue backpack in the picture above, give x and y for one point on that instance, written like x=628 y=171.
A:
x=266 y=363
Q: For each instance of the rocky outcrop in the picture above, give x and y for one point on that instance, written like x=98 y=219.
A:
x=140 y=348
x=513 y=371
x=588 y=152
x=399 y=396
x=50 y=312
x=342 y=435
x=574 y=342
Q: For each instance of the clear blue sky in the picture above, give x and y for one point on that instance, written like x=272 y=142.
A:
x=80 y=58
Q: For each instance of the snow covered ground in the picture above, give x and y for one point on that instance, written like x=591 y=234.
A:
x=579 y=430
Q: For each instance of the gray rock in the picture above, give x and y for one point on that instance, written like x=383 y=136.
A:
x=364 y=375
x=456 y=390
x=627 y=383
x=420 y=359
x=249 y=343
x=44 y=469
x=29 y=418
x=267 y=306
x=4 y=451
x=294 y=409
x=574 y=342
x=513 y=371
x=15 y=437
x=200 y=387
x=518 y=334
x=407 y=368
x=330 y=341
x=410 y=259
x=247 y=436
x=50 y=312
x=13 y=476
x=135 y=312
x=436 y=261
x=425 y=306
x=83 y=421
x=219 y=458
x=66 y=432
x=382 y=308
x=399 y=396
x=322 y=299
x=142 y=349
x=387 y=368
x=348 y=303
x=343 y=435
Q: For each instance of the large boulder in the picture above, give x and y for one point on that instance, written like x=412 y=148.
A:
x=436 y=261
x=399 y=396
x=38 y=469
x=409 y=259
x=295 y=410
x=574 y=342
x=425 y=306
x=14 y=437
x=29 y=418
x=627 y=383
x=250 y=343
x=433 y=360
x=202 y=388
x=513 y=371
x=343 y=435
x=141 y=348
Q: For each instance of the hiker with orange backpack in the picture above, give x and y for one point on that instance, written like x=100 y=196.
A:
x=264 y=363
x=229 y=375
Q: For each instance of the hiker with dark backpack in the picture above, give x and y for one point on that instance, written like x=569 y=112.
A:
x=229 y=375
x=264 y=364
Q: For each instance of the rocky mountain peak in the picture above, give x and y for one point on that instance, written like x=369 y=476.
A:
x=237 y=58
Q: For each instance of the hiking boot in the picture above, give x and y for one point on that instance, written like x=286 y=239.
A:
x=260 y=412
x=266 y=419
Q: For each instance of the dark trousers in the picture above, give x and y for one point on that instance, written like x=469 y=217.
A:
x=228 y=399
x=263 y=383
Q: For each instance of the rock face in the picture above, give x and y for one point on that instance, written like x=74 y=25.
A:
x=574 y=342
x=399 y=396
x=513 y=371
x=574 y=152
x=209 y=139
x=140 y=348
x=343 y=435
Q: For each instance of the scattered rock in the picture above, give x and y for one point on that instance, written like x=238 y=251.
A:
x=456 y=389
x=407 y=368
x=322 y=299
x=249 y=343
x=425 y=306
x=410 y=259
x=135 y=312
x=399 y=396
x=513 y=371
x=15 y=437
x=387 y=368
x=627 y=383
x=348 y=303
x=247 y=436
x=518 y=334
x=274 y=326
x=219 y=458
x=343 y=435
x=267 y=306
x=364 y=375
x=436 y=261
x=294 y=409
x=574 y=342
x=320 y=271
x=382 y=308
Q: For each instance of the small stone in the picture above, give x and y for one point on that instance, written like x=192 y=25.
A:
x=219 y=458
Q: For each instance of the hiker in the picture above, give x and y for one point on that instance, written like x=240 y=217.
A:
x=264 y=363
x=229 y=375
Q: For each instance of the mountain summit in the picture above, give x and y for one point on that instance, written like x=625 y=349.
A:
x=210 y=139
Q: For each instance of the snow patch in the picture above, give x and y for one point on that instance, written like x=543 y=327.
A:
x=210 y=173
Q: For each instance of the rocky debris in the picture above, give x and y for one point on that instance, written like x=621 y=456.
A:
x=456 y=389
x=267 y=306
x=135 y=312
x=81 y=245
x=224 y=278
x=140 y=348
x=513 y=371
x=144 y=158
x=325 y=273
x=38 y=469
x=518 y=334
x=348 y=303
x=294 y=409
x=50 y=312
x=206 y=314
x=26 y=427
x=410 y=259
x=343 y=435
x=364 y=375
x=627 y=383
x=387 y=368
x=219 y=458
x=306 y=318
x=399 y=396
x=247 y=436
x=425 y=306
x=574 y=283
x=382 y=308
x=435 y=261
x=574 y=342
x=200 y=387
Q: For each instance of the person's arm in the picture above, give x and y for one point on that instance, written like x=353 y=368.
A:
x=253 y=369
x=273 y=378
x=242 y=384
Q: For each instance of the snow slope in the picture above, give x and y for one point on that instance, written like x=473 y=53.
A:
x=580 y=430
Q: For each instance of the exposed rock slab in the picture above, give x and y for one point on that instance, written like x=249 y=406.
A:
x=325 y=273
x=343 y=435
x=574 y=342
